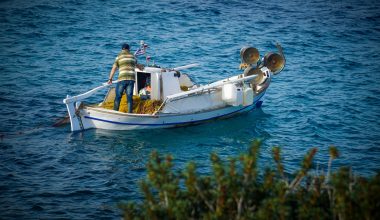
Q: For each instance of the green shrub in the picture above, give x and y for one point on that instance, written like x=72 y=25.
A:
x=237 y=190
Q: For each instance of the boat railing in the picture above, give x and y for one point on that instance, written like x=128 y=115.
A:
x=202 y=89
x=209 y=87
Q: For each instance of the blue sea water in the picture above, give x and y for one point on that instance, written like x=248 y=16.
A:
x=328 y=93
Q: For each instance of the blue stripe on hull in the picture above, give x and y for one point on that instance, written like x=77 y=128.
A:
x=163 y=124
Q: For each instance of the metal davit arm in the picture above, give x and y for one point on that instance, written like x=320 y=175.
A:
x=85 y=95
x=207 y=87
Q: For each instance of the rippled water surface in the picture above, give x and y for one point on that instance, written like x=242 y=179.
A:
x=328 y=93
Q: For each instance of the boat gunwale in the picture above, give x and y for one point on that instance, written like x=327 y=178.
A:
x=174 y=123
x=160 y=114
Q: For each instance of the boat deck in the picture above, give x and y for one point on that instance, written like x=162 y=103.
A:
x=140 y=106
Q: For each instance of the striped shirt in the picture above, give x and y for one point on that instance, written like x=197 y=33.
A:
x=126 y=63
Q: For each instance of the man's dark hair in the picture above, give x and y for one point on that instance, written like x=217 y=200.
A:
x=125 y=46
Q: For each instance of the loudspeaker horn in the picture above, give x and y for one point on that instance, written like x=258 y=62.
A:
x=249 y=55
x=274 y=62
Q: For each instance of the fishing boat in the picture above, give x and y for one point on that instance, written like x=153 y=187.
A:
x=174 y=100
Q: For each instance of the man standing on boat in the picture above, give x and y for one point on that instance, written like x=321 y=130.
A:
x=126 y=63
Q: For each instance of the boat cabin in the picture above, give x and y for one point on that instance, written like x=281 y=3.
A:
x=152 y=86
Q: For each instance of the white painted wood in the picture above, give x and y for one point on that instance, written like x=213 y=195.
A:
x=180 y=109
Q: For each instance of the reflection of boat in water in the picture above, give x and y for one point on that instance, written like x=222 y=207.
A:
x=174 y=100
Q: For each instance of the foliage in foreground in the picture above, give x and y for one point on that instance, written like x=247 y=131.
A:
x=236 y=190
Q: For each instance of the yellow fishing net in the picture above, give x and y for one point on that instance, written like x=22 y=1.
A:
x=185 y=88
x=139 y=106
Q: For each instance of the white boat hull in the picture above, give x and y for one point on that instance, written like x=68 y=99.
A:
x=181 y=102
x=111 y=120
